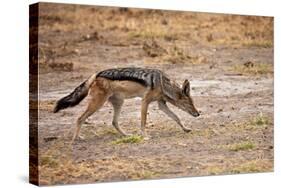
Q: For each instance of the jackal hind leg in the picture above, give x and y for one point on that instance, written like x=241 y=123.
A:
x=144 y=108
x=95 y=103
x=117 y=105
x=163 y=106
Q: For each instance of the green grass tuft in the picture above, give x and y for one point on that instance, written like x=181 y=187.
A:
x=49 y=161
x=247 y=145
x=251 y=167
x=129 y=139
x=260 y=120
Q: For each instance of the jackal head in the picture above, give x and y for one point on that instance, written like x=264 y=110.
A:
x=185 y=101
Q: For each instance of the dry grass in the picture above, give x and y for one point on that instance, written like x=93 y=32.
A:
x=206 y=133
x=259 y=44
x=153 y=33
x=214 y=170
x=108 y=131
x=180 y=55
x=258 y=122
x=171 y=54
x=153 y=49
x=135 y=26
x=253 y=166
x=56 y=166
x=252 y=126
x=256 y=69
x=257 y=165
x=47 y=105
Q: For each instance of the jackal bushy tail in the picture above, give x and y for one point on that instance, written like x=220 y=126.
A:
x=75 y=97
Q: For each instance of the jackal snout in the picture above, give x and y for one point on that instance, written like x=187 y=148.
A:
x=195 y=114
x=188 y=106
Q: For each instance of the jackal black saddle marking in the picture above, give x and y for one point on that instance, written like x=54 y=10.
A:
x=146 y=77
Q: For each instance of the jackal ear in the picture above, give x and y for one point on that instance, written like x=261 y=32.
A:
x=186 y=88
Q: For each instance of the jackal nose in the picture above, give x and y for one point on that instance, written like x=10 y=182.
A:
x=196 y=114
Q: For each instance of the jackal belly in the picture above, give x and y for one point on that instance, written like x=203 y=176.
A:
x=127 y=89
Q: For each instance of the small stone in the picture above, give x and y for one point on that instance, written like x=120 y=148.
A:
x=220 y=110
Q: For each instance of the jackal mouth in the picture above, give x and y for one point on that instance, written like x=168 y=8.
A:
x=195 y=114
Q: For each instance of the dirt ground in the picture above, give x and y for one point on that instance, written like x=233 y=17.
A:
x=227 y=58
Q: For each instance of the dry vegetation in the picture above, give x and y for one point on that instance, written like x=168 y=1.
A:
x=253 y=69
x=244 y=167
x=241 y=146
x=58 y=166
x=228 y=58
x=165 y=36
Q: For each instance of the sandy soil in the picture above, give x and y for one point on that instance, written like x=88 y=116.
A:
x=231 y=76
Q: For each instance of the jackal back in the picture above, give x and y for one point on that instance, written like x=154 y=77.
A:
x=147 y=77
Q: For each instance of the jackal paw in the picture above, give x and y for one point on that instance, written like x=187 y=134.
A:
x=145 y=136
x=87 y=122
x=81 y=138
x=78 y=139
x=187 y=130
x=126 y=134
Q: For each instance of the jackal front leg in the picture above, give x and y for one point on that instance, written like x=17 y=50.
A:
x=163 y=106
x=144 y=107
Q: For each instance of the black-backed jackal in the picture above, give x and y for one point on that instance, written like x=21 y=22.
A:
x=115 y=85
